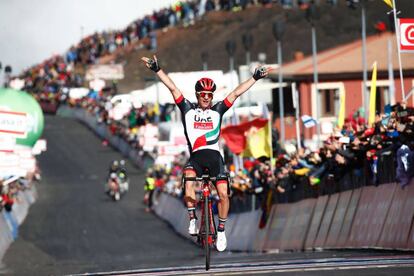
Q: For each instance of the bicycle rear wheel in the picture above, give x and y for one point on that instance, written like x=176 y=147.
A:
x=207 y=232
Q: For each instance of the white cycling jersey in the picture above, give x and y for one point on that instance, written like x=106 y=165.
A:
x=202 y=127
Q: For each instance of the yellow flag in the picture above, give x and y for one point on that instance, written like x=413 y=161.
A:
x=389 y=3
x=157 y=109
x=341 y=115
x=258 y=143
x=373 y=95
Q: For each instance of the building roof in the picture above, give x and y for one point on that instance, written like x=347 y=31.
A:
x=346 y=60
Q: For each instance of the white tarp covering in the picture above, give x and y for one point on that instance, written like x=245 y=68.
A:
x=105 y=72
x=78 y=92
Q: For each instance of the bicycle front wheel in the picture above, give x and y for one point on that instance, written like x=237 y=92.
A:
x=207 y=232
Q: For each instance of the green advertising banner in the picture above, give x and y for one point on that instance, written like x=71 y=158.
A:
x=20 y=116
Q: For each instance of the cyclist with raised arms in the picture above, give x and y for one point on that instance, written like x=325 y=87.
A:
x=202 y=122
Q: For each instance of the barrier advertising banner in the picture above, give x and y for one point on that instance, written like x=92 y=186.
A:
x=379 y=211
x=326 y=221
x=359 y=225
x=392 y=230
x=369 y=219
x=294 y=235
x=349 y=218
x=406 y=222
x=338 y=219
x=277 y=224
x=243 y=231
x=316 y=221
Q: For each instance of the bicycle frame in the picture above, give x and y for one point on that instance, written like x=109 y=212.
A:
x=207 y=234
x=206 y=192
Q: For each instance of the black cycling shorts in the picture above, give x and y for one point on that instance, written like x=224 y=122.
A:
x=206 y=159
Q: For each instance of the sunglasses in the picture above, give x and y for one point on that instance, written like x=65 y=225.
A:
x=203 y=94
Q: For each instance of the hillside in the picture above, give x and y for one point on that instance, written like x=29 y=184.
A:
x=179 y=49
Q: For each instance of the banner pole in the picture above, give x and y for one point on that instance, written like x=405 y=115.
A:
x=397 y=32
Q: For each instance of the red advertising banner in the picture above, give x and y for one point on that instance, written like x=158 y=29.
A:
x=338 y=219
x=407 y=34
x=316 y=221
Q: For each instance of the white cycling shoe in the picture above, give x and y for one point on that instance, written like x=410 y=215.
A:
x=192 y=228
x=221 y=242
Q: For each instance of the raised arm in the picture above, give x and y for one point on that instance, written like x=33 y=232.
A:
x=259 y=73
x=153 y=65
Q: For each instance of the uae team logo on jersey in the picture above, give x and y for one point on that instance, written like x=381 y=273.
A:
x=209 y=138
x=202 y=123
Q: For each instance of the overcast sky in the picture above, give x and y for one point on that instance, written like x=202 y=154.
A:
x=33 y=30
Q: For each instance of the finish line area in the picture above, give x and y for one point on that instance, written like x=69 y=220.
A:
x=401 y=264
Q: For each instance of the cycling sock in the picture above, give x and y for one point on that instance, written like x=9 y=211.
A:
x=221 y=224
x=191 y=213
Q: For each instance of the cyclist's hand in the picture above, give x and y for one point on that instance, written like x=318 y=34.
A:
x=152 y=64
x=260 y=72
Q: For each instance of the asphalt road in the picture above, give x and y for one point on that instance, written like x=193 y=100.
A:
x=74 y=228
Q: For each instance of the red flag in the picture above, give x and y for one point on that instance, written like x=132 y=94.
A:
x=235 y=135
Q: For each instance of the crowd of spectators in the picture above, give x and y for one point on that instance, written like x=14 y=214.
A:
x=355 y=155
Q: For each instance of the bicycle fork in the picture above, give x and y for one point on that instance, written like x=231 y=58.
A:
x=212 y=226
